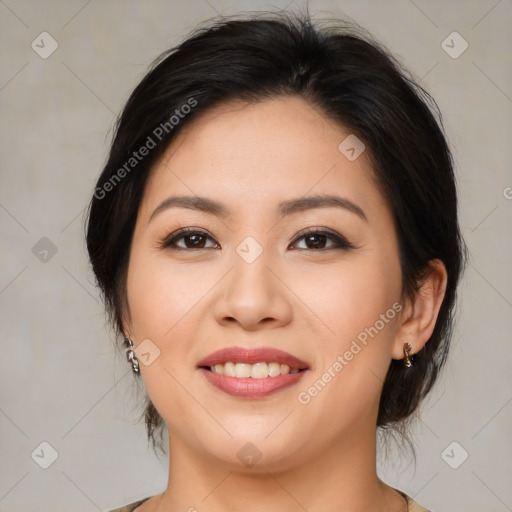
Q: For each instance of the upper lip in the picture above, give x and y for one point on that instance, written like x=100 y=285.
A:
x=252 y=356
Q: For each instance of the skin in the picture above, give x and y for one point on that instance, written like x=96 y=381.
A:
x=306 y=299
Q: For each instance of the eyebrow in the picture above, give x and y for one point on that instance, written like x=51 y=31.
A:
x=285 y=208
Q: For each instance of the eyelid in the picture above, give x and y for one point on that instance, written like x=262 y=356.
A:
x=340 y=241
x=180 y=233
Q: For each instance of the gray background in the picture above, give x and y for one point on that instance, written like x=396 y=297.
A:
x=60 y=379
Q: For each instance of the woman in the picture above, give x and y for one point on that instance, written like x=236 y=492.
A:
x=275 y=234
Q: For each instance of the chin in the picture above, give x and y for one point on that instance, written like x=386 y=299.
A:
x=250 y=451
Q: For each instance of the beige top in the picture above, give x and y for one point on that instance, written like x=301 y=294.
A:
x=412 y=506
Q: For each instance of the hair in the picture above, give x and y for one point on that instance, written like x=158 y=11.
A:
x=355 y=82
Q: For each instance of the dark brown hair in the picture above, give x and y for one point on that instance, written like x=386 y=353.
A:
x=352 y=79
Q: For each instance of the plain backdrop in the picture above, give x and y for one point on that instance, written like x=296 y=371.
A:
x=61 y=382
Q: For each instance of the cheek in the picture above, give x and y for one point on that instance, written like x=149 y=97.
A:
x=359 y=303
x=162 y=299
x=354 y=358
x=350 y=298
x=161 y=293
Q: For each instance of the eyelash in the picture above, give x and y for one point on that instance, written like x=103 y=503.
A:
x=340 y=241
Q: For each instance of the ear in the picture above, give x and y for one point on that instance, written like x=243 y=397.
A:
x=127 y=330
x=419 y=315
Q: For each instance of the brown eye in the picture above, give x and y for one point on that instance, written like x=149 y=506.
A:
x=195 y=241
x=317 y=241
x=322 y=240
x=189 y=239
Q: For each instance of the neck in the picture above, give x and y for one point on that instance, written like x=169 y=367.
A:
x=342 y=477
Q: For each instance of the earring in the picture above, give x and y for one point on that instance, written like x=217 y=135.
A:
x=131 y=357
x=407 y=360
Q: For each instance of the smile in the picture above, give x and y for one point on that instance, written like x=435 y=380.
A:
x=252 y=387
x=255 y=371
x=252 y=372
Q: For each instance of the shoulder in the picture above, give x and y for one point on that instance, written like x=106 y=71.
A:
x=131 y=506
x=413 y=506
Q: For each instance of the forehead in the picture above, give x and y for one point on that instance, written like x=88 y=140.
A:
x=256 y=154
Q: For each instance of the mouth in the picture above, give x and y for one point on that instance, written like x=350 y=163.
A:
x=259 y=370
x=255 y=362
x=252 y=373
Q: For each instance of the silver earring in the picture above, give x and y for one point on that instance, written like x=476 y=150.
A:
x=131 y=356
x=407 y=350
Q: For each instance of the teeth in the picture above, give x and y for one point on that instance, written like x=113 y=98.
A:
x=229 y=369
x=255 y=371
x=259 y=370
x=242 y=370
x=274 y=369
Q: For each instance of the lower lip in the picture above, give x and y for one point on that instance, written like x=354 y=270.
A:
x=249 y=387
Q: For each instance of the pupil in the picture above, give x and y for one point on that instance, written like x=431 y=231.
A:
x=317 y=239
x=196 y=240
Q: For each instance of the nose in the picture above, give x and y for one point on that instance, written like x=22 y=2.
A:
x=253 y=296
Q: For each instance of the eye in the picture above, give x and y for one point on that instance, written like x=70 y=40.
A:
x=314 y=239
x=318 y=239
x=193 y=238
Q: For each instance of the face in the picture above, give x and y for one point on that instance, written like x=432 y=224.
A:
x=270 y=266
